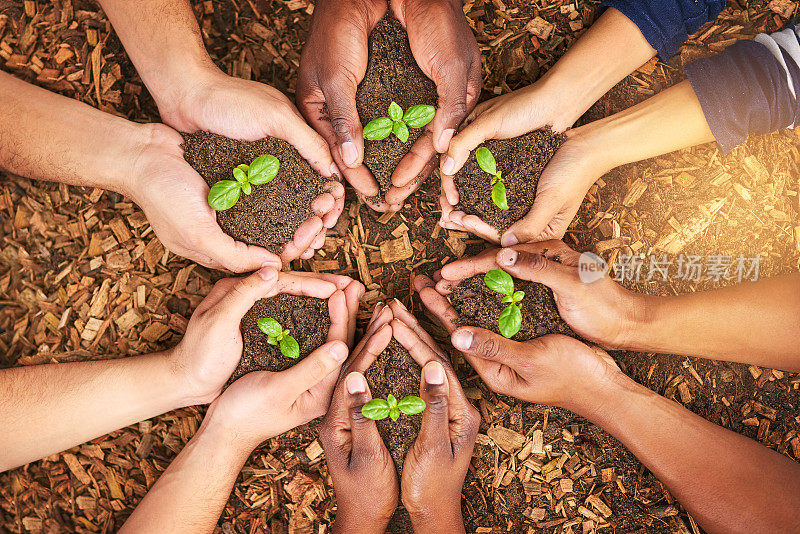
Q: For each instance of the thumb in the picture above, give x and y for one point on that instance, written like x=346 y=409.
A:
x=485 y=347
x=314 y=368
x=246 y=291
x=536 y=268
x=526 y=230
x=364 y=431
x=434 y=390
x=452 y=92
x=237 y=256
x=311 y=146
x=340 y=96
x=479 y=130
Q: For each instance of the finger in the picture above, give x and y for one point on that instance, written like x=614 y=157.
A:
x=418 y=164
x=340 y=95
x=322 y=204
x=476 y=225
x=298 y=284
x=536 y=268
x=353 y=294
x=364 y=431
x=469 y=267
x=402 y=314
x=236 y=256
x=245 y=292
x=339 y=317
x=373 y=346
x=487 y=346
x=544 y=210
x=217 y=293
x=452 y=92
x=434 y=390
x=339 y=280
x=307 y=254
x=308 y=143
x=336 y=189
x=314 y=368
x=467 y=140
x=303 y=237
x=319 y=240
x=437 y=304
x=449 y=189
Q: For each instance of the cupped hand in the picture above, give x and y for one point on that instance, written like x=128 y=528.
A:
x=363 y=473
x=437 y=462
x=333 y=63
x=601 y=311
x=553 y=369
x=248 y=110
x=445 y=48
x=562 y=185
x=212 y=345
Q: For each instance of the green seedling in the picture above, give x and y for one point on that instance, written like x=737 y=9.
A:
x=276 y=335
x=378 y=409
x=488 y=164
x=511 y=317
x=225 y=193
x=398 y=122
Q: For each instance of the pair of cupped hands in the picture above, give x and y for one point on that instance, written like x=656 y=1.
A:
x=333 y=63
x=552 y=369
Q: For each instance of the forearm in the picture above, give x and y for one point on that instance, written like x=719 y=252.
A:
x=164 y=42
x=190 y=495
x=45 y=409
x=669 y=121
x=756 y=323
x=580 y=78
x=726 y=481
x=46 y=136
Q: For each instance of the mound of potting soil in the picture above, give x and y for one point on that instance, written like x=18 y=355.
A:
x=307 y=320
x=521 y=161
x=392 y=76
x=477 y=305
x=270 y=214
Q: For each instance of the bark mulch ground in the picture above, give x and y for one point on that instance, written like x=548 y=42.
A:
x=82 y=276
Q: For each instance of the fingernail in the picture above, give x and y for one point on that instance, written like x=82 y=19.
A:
x=434 y=374
x=335 y=170
x=356 y=384
x=509 y=240
x=507 y=257
x=349 y=153
x=448 y=164
x=267 y=272
x=339 y=351
x=462 y=339
x=444 y=139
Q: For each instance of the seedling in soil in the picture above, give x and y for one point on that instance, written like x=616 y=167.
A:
x=488 y=164
x=276 y=335
x=225 y=193
x=510 y=319
x=398 y=122
x=378 y=409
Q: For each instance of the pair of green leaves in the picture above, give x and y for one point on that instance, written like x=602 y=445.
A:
x=378 y=409
x=225 y=193
x=488 y=164
x=276 y=335
x=398 y=122
x=510 y=319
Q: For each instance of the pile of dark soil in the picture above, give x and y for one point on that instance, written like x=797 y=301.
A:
x=269 y=216
x=477 y=305
x=392 y=75
x=521 y=160
x=396 y=372
x=307 y=320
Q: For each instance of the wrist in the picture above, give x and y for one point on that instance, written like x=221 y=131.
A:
x=445 y=518
x=348 y=521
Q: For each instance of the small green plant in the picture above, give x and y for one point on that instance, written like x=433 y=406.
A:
x=276 y=335
x=511 y=317
x=488 y=164
x=398 y=122
x=225 y=193
x=378 y=409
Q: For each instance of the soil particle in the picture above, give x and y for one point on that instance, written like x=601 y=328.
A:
x=307 y=320
x=269 y=216
x=392 y=75
x=477 y=305
x=521 y=161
